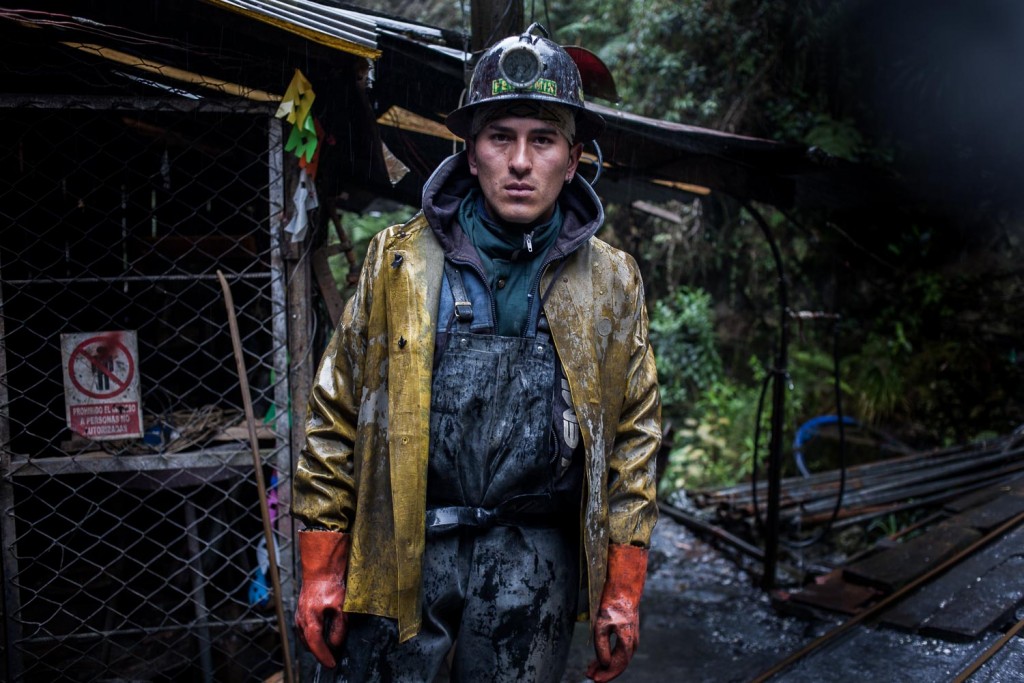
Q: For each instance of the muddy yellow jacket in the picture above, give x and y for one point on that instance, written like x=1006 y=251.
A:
x=364 y=468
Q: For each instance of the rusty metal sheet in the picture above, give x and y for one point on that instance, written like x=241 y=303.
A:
x=833 y=593
x=897 y=566
x=971 y=598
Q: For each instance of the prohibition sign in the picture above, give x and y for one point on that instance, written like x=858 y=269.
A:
x=100 y=363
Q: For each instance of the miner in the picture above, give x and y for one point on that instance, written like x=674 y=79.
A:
x=479 y=469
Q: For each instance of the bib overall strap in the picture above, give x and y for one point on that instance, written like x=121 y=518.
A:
x=463 y=306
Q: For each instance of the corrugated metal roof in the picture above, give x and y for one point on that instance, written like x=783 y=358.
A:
x=344 y=30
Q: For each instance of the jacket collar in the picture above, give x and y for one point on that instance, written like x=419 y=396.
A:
x=449 y=184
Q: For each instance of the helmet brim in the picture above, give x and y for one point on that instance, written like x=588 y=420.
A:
x=589 y=125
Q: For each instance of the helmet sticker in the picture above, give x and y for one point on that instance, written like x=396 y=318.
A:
x=545 y=86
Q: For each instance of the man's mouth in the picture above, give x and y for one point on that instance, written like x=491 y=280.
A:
x=518 y=189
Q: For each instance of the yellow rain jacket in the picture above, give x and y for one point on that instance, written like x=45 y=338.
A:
x=364 y=468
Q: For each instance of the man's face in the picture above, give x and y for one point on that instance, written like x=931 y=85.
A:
x=521 y=164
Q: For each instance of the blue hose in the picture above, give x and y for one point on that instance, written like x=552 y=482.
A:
x=806 y=432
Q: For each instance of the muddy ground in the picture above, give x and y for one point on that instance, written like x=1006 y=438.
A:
x=703 y=619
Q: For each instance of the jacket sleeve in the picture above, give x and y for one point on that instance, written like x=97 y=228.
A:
x=324 y=486
x=632 y=484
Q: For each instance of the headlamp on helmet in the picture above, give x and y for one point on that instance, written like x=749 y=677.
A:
x=521 y=65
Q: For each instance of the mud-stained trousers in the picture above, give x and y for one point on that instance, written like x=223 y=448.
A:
x=505 y=599
x=501 y=565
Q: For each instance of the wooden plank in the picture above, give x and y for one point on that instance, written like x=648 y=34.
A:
x=992 y=513
x=328 y=288
x=102 y=463
x=896 y=566
x=992 y=603
x=971 y=598
x=241 y=433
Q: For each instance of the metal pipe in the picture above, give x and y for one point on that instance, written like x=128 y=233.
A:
x=133 y=278
x=198 y=593
x=225 y=625
x=864 y=514
x=870 y=476
x=989 y=652
x=882 y=469
x=11 y=597
x=914 y=487
x=132 y=104
x=771 y=526
x=701 y=526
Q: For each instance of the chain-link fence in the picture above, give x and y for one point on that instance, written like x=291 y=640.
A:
x=141 y=558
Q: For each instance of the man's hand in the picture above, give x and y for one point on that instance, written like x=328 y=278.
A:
x=619 y=613
x=319 y=618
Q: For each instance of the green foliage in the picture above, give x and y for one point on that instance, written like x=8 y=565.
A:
x=736 y=65
x=877 y=372
x=939 y=358
x=682 y=333
x=711 y=417
x=714 y=446
x=838 y=138
x=653 y=42
x=360 y=229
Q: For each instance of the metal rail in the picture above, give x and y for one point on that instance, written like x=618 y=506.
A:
x=890 y=600
x=989 y=653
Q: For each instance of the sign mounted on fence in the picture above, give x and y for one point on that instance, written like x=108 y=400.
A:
x=101 y=384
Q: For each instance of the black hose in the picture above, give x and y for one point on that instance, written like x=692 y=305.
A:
x=823 y=531
x=769 y=377
x=777 y=374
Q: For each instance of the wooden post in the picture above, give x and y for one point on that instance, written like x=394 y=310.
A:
x=492 y=20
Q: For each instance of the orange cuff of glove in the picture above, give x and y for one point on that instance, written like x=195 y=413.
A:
x=319 y=617
x=619 y=613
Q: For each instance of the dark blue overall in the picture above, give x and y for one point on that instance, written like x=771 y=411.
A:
x=501 y=565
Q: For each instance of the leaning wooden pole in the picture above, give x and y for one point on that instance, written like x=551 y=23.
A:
x=250 y=419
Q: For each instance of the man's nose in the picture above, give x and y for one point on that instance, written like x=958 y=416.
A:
x=519 y=161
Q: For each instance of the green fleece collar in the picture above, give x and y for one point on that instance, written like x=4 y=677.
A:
x=511 y=259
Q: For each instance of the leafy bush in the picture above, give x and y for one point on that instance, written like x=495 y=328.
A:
x=714 y=446
x=710 y=417
x=713 y=416
x=682 y=332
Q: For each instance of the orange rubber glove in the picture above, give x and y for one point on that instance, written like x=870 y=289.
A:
x=319 y=616
x=619 y=613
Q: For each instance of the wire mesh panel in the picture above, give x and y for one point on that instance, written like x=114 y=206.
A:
x=141 y=558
